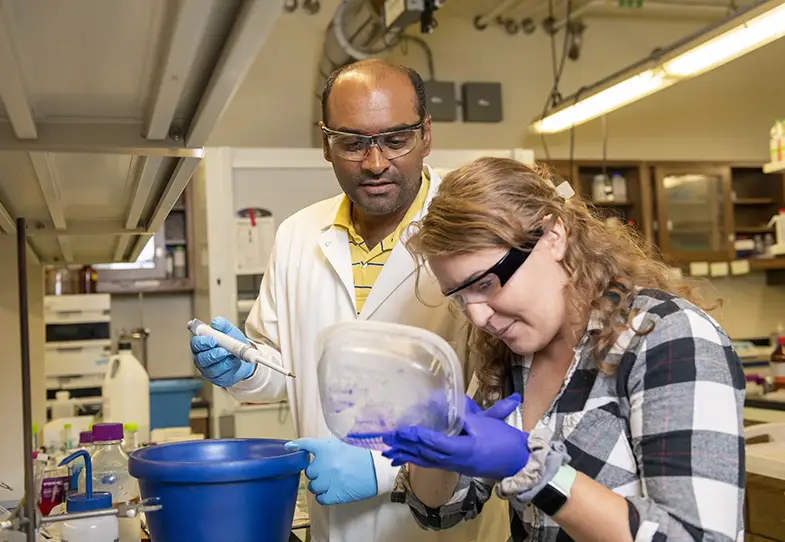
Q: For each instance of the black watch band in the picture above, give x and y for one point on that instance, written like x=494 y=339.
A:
x=550 y=499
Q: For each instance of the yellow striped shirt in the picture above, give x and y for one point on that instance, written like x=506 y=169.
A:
x=367 y=263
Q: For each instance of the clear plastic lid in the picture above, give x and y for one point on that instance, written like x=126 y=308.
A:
x=375 y=377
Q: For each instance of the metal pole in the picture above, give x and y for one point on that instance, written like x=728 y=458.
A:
x=27 y=406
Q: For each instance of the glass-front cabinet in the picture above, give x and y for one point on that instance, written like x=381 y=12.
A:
x=694 y=212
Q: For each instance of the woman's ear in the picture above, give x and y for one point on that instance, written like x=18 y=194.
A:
x=556 y=239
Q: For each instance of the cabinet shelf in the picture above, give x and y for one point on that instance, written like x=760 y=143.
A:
x=612 y=203
x=764 y=264
x=754 y=201
x=753 y=229
x=163 y=286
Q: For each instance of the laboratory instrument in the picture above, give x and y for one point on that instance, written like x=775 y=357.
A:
x=77 y=349
x=245 y=352
x=243 y=490
x=126 y=391
x=110 y=473
x=93 y=529
x=376 y=377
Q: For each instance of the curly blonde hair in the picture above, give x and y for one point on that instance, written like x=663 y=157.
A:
x=502 y=203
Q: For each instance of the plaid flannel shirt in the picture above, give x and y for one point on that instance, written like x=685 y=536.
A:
x=664 y=431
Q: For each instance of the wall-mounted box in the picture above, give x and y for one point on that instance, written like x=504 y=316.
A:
x=482 y=102
x=442 y=104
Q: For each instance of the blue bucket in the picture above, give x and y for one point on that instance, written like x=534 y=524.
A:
x=243 y=490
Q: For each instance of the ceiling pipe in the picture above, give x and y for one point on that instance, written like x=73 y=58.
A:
x=482 y=21
x=649 y=8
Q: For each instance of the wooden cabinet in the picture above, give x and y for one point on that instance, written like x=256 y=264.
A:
x=633 y=206
x=764 y=506
x=694 y=212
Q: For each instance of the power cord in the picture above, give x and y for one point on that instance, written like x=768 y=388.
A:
x=554 y=96
x=426 y=49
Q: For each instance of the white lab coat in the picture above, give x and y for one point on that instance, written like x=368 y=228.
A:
x=308 y=286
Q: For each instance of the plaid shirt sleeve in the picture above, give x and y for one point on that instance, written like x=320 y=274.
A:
x=685 y=387
x=466 y=502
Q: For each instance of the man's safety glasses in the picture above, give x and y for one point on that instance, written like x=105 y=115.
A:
x=485 y=286
x=355 y=147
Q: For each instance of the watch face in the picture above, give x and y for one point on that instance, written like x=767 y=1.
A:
x=550 y=500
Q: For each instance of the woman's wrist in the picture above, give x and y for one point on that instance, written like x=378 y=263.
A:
x=546 y=457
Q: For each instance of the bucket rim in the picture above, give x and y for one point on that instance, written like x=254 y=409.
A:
x=286 y=463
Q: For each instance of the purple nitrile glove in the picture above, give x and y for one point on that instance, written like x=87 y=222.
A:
x=487 y=448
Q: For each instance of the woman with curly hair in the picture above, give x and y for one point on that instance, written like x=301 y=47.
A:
x=613 y=401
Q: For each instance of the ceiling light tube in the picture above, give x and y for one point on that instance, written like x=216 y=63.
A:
x=758 y=25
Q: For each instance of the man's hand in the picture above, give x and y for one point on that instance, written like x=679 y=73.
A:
x=217 y=364
x=339 y=473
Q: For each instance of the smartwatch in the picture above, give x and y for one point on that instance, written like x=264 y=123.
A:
x=554 y=495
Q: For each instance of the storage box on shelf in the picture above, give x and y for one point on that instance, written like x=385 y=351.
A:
x=165 y=266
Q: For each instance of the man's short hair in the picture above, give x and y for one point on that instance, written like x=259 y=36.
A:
x=414 y=78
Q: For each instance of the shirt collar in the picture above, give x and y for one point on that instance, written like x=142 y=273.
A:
x=343 y=213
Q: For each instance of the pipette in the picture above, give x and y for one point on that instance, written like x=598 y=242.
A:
x=245 y=352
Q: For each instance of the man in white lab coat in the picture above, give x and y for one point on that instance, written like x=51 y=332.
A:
x=337 y=260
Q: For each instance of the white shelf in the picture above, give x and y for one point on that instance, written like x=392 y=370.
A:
x=774 y=167
x=104 y=111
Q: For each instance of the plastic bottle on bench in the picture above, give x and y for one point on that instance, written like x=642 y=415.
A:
x=110 y=473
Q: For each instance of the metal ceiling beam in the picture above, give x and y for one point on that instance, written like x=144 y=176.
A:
x=177 y=183
x=12 y=90
x=122 y=245
x=7 y=223
x=249 y=32
x=95 y=138
x=188 y=30
x=148 y=169
x=47 y=180
x=139 y=245
x=83 y=228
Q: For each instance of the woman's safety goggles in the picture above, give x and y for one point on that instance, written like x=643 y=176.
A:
x=355 y=147
x=485 y=286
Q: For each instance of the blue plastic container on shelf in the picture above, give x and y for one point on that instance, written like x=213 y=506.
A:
x=170 y=401
x=238 y=490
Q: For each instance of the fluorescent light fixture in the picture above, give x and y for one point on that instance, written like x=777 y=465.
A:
x=757 y=26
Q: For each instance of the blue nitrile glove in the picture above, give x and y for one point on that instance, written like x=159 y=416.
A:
x=487 y=447
x=217 y=364
x=339 y=473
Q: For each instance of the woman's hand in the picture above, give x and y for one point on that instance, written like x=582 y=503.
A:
x=487 y=448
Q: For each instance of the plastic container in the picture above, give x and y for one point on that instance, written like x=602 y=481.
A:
x=126 y=391
x=97 y=529
x=375 y=377
x=170 y=402
x=130 y=437
x=62 y=406
x=243 y=490
x=619 y=184
x=110 y=473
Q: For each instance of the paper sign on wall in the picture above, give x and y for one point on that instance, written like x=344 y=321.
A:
x=740 y=267
x=719 y=269
x=253 y=244
x=699 y=269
